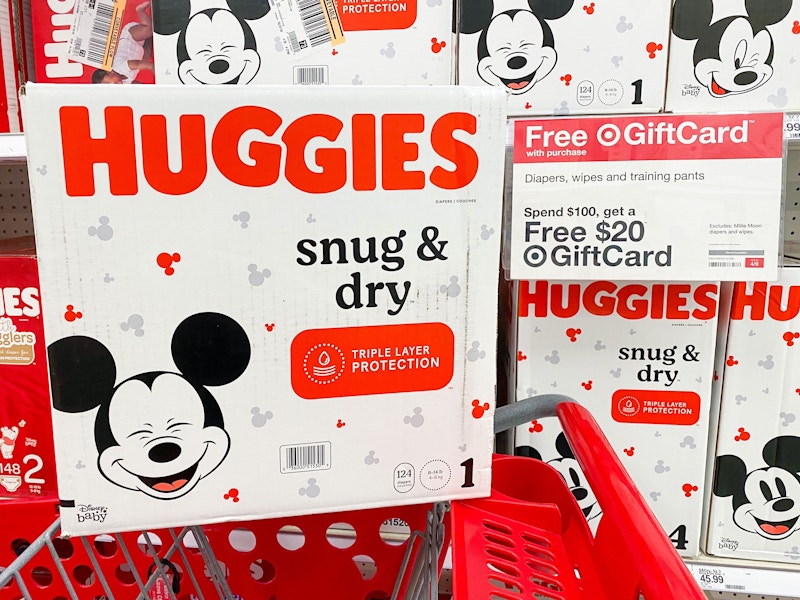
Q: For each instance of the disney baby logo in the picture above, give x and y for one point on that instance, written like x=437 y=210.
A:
x=87 y=512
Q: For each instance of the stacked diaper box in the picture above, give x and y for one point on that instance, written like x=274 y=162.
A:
x=755 y=507
x=725 y=299
x=341 y=354
x=92 y=41
x=304 y=42
x=731 y=55
x=565 y=57
x=27 y=461
x=640 y=357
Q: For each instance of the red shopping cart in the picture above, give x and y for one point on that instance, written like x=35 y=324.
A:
x=528 y=540
x=531 y=540
x=375 y=554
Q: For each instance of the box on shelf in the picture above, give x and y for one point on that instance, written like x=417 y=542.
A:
x=302 y=42
x=11 y=66
x=27 y=461
x=755 y=507
x=640 y=356
x=729 y=55
x=300 y=319
x=70 y=52
x=565 y=57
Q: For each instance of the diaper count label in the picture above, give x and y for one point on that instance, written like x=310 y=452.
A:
x=381 y=359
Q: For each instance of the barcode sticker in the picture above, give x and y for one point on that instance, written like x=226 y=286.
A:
x=306 y=457
x=307 y=25
x=720 y=263
x=317 y=75
x=95 y=32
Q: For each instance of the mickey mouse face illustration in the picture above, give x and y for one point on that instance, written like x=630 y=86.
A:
x=158 y=432
x=215 y=46
x=516 y=48
x=766 y=501
x=571 y=473
x=733 y=55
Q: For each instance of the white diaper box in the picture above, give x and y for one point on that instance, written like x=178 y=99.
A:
x=304 y=42
x=565 y=57
x=259 y=307
x=639 y=356
x=732 y=55
x=755 y=507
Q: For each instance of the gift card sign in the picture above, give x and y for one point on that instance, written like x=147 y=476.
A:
x=667 y=197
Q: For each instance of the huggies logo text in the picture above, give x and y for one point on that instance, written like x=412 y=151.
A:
x=19 y=302
x=60 y=21
x=764 y=301
x=253 y=146
x=674 y=301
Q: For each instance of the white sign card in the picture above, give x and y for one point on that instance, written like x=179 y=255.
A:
x=651 y=197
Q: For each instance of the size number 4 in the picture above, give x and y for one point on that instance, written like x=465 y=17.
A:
x=678 y=538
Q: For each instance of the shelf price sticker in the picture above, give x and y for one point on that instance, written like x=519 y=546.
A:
x=724 y=578
x=791 y=126
x=672 y=197
x=711 y=578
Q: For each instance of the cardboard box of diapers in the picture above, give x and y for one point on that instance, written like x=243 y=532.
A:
x=563 y=57
x=334 y=356
x=755 y=506
x=640 y=356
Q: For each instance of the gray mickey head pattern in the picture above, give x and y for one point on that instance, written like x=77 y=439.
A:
x=103 y=231
x=134 y=323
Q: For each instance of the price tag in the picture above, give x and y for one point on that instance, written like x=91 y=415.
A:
x=668 y=197
x=791 y=126
x=711 y=578
x=736 y=579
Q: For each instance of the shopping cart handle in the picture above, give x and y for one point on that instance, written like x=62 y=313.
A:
x=663 y=574
x=525 y=411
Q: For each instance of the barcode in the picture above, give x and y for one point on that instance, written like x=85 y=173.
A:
x=314 y=23
x=310 y=76
x=101 y=28
x=717 y=263
x=306 y=457
x=735 y=587
x=293 y=42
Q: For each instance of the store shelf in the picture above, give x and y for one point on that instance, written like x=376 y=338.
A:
x=12 y=147
x=746 y=578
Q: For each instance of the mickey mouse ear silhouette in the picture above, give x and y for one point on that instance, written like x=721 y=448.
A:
x=210 y=348
x=82 y=373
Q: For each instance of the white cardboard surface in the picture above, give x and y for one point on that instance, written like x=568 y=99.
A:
x=724 y=58
x=335 y=374
x=640 y=357
x=385 y=42
x=567 y=57
x=756 y=501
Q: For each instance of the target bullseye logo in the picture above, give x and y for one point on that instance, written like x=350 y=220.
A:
x=324 y=363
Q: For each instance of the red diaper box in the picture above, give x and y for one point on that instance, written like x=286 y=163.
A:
x=125 y=38
x=27 y=463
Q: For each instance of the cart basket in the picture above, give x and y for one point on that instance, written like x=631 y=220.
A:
x=531 y=540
